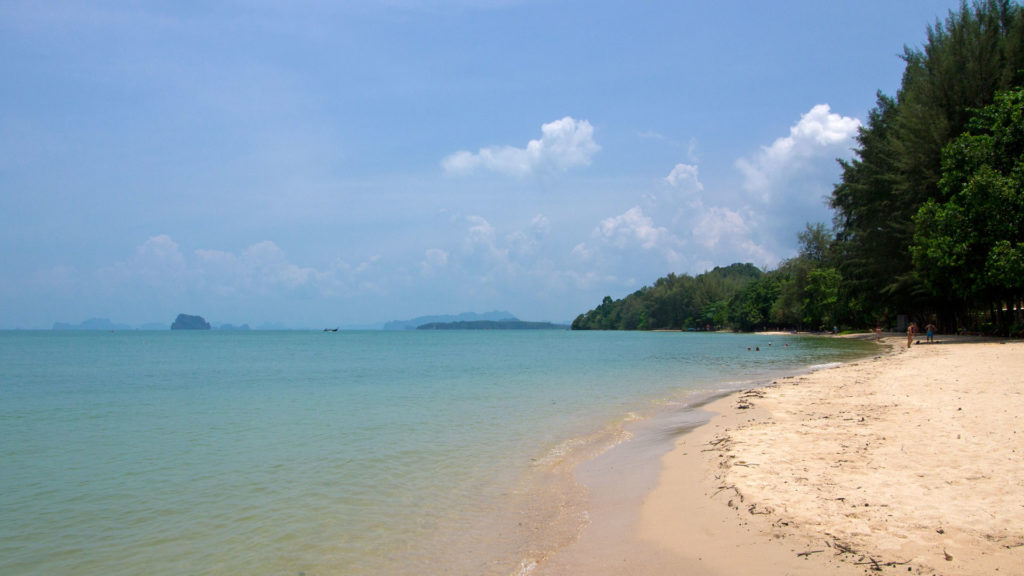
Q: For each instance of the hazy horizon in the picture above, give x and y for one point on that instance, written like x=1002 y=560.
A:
x=318 y=165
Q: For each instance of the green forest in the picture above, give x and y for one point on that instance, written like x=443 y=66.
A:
x=928 y=216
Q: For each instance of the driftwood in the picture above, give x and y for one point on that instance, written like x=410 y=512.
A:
x=719 y=443
x=843 y=548
x=809 y=552
x=730 y=487
x=877 y=565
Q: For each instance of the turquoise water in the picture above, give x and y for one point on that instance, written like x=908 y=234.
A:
x=384 y=453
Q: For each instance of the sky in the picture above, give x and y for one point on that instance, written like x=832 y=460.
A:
x=312 y=164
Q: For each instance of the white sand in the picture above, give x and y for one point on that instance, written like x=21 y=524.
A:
x=912 y=462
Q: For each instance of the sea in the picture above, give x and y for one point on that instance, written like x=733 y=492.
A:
x=304 y=453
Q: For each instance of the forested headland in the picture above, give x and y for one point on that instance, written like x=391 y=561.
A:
x=928 y=216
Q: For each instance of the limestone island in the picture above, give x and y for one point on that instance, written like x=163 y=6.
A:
x=186 y=322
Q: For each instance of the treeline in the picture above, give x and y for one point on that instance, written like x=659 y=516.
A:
x=802 y=293
x=674 y=302
x=929 y=215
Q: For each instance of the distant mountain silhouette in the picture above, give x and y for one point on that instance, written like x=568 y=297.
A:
x=493 y=325
x=415 y=323
x=242 y=328
x=91 y=324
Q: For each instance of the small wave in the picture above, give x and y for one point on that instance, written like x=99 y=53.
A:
x=560 y=451
x=582 y=448
x=825 y=366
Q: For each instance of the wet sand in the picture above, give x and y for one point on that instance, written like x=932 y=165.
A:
x=909 y=462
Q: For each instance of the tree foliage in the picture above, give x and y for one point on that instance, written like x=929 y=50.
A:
x=673 y=302
x=968 y=246
x=915 y=153
x=802 y=292
x=928 y=215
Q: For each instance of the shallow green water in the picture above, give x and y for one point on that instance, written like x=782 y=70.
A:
x=324 y=453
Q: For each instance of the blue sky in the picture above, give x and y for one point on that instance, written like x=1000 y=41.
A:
x=337 y=163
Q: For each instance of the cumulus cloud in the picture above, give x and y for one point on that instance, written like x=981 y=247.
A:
x=685 y=175
x=268 y=265
x=632 y=227
x=685 y=227
x=263 y=268
x=530 y=239
x=819 y=134
x=629 y=243
x=685 y=184
x=157 y=262
x=563 y=144
x=161 y=248
x=433 y=259
x=481 y=238
x=715 y=223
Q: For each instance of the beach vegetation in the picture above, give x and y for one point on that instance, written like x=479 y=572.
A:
x=675 y=302
x=969 y=242
x=928 y=214
x=925 y=214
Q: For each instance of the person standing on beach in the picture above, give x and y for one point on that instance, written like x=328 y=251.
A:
x=930 y=332
x=911 y=330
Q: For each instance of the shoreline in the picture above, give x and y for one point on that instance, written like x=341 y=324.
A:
x=907 y=462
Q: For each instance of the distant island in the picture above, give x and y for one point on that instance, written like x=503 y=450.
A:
x=186 y=322
x=499 y=315
x=183 y=322
x=242 y=328
x=508 y=324
x=91 y=324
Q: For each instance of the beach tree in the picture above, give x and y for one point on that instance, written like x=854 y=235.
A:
x=750 y=309
x=976 y=52
x=868 y=252
x=821 y=300
x=969 y=242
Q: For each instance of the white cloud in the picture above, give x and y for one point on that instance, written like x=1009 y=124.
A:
x=632 y=227
x=530 y=240
x=263 y=268
x=715 y=223
x=160 y=248
x=433 y=259
x=436 y=257
x=158 y=262
x=813 y=142
x=758 y=253
x=685 y=175
x=632 y=239
x=564 y=144
x=692 y=151
x=481 y=236
x=267 y=265
x=582 y=252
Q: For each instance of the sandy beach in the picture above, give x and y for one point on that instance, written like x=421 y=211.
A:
x=908 y=462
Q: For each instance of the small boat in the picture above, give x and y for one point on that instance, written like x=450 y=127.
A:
x=330 y=329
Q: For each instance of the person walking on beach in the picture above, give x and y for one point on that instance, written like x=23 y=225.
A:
x=930 y=332
x=911 y=330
